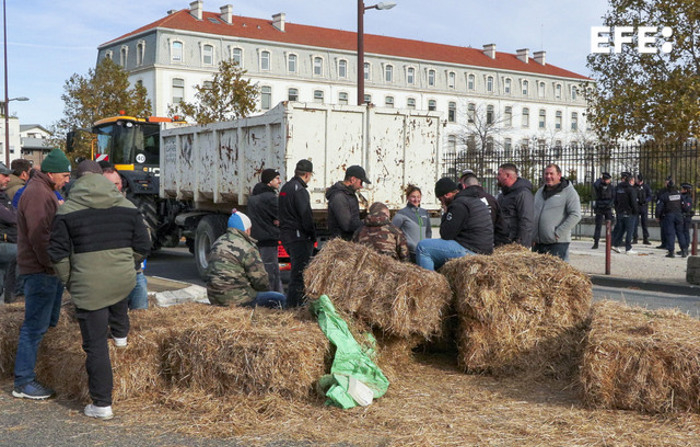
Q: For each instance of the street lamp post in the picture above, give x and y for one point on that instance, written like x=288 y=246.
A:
x=7 y=99
x=361 y=8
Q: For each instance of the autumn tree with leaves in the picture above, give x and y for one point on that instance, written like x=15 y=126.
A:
x=652 y=96
x=228 y=96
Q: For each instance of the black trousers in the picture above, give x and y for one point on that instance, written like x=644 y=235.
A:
x=300 y=254
x=643 y=213
x=94 y=325
x=600 y=216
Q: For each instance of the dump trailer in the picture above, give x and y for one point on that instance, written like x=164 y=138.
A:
x=214 y=167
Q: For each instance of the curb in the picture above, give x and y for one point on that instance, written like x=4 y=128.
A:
x=624 y=283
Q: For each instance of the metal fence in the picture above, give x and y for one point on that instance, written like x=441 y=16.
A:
x=582 y=165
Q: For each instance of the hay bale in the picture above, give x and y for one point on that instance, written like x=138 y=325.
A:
x=519 y=311
x=251 y=352
x=637 y=359
x=11 y=319
x=399 y=298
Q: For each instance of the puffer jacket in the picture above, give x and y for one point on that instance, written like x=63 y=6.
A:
x=96 y=237
x=517 y=207
x=343 y=211
x=263 y=211
x=468 y=222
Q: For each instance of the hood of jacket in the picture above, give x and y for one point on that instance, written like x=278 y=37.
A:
x=95 y=191
x=520 y=183
x=339 y=187
x=549 y=192
x=261 y=188
x=377 y=219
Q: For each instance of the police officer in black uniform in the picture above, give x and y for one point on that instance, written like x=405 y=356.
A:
x=687 y=210
x=604 y=195
x=643 y=197
x=669 y=212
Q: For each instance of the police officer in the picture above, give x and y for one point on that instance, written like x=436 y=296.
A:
x=604 y=194
x=626 y=208
x=687 y=210
x=643 y=197
x=669 y=212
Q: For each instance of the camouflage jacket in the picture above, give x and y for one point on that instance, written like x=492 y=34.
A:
x=379 y=233
x=236 y=272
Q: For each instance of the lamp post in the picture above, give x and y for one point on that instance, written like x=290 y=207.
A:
x=361 y=8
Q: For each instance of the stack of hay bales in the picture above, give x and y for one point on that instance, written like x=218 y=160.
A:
x=401 y=301
x=11 y=319
x=519 y=311
x=637 y=359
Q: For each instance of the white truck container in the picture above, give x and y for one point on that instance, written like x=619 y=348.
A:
x=216 y=166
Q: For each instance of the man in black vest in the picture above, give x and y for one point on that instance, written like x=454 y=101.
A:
x=604 y=194
x=669 y=211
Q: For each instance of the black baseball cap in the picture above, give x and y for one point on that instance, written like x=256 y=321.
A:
x=357 y=172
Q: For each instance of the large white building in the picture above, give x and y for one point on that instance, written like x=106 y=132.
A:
x=488 y=98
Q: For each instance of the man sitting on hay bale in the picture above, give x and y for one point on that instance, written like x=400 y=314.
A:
x=236 y=274
x=379 y=233
x=466 y=227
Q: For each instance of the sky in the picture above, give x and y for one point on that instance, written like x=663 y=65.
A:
x=50 y=40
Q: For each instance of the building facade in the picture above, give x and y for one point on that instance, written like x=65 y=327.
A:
x=489 y=100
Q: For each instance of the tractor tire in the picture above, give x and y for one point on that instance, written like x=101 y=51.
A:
x=147 y=206
x=208 y=230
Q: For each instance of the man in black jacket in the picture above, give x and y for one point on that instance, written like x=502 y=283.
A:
x=669 y=210
x=517 y=204
x=466 y=227
x=263 y=212
x=8 y=238
x=626 y=209
x=343 y=207
x=500 y=226
x=643 y=197
x=604 y=195
x=297 y=230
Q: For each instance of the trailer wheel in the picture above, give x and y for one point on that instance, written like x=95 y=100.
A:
x=208 y=230
x=147 y=206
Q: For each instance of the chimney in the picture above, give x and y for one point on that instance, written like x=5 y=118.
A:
x=490 y=50
x=196 y=9
x=539 y=57
x=227 y=14
x=523 y=54
x=172 y=11
x=278 y=21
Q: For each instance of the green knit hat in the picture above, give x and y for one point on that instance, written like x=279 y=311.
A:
x=56 y=161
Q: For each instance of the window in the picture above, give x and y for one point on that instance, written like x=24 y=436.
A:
x=471 y=82
x=410 y=75
x=265 y=97
x=178 y=90
x=489 y=84
x=526 y=117
x=342 y=68
x=368 y=99
x=507 y=86
x=367 y=71
x=489 y=144
x=176 y=51
x=557 y=91
x=451 y=144
x=574 y=121
x=471 y=143
x=389 y=101
x=411 y=103
x=526 y=86
x=543 y=119
x=508 y=117
x=432 y=105
x=208 y=55
x=318 y=66
x=557 y=120
x=574 y=92
x=139 y=83
x=452 y=112
x=292 y=63
x=342 y=98
x=123 y=53
x=451 y=80
x=140 y=53
x=541 y=144
x=389 y=73
x=108 y=54
x=318 y=95
x=525 y=143
x=471 y=112
x=431 y=78
x=208 y=85
x=293 y=94
x=508 y=147
x=265 y=61
x=237 y=56
x=540 y=89
x=489 y=115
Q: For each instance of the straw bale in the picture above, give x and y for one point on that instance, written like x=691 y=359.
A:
x=244 y=351
x=11 y=318
x=637 y=359
x=519 y=312
x=399 y=298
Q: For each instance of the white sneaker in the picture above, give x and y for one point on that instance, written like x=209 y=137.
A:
x=616 y=249
x=120 y=342
x=631 y=252
x=104 y=413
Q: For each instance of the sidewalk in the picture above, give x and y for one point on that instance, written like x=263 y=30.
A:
x=649 y=269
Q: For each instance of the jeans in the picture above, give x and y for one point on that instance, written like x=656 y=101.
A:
x=42 y=308
x=273 y=300
x=624 y=226
x=559 y=249
x=299 y=253
x=270 y=258
x=601 y=215
x=138 y=298
x=431 y=254
x=8 y=256
x=94 y=326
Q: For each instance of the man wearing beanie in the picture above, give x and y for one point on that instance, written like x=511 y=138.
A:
x=42 y=288
x=466 y=227
x=263 y=212
x=236 y=274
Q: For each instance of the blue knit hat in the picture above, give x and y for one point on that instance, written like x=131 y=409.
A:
x=239 y=221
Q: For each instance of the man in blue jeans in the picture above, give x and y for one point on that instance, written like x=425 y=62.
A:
x=466 y=227
x=42 y=288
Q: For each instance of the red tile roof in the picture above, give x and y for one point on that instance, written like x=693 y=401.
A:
x=260 y=29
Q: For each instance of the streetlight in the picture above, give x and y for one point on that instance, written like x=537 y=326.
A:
x=7 y=121
x=361 y=8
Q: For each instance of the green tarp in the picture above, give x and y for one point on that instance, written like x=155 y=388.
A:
x=350 y=359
